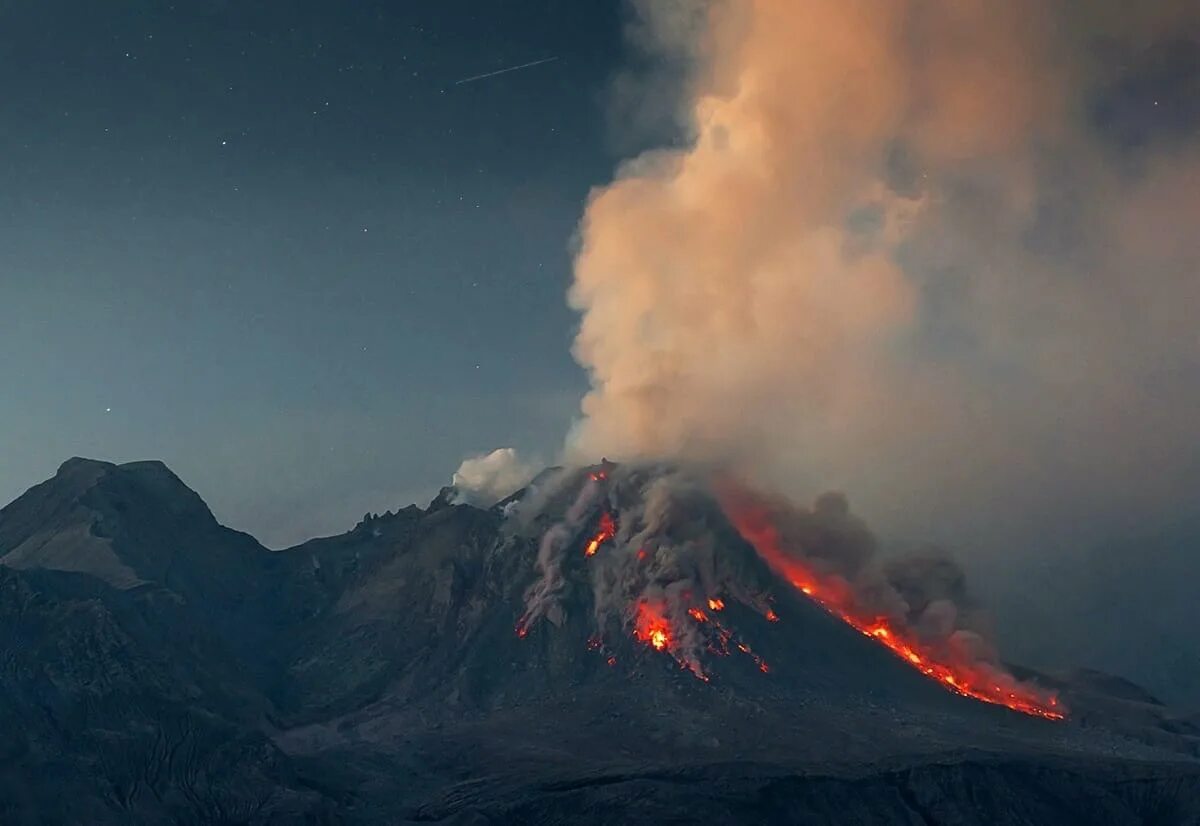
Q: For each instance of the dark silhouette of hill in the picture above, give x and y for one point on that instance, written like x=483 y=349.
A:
x=156 y=666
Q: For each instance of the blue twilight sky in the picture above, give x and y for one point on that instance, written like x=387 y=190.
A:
x=275 y=245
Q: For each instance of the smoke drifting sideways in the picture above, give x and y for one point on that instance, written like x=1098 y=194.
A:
x=902 y=254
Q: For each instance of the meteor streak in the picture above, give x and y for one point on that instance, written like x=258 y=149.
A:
x=474 y=78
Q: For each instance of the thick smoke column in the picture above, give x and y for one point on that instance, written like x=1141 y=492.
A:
x=900 y=258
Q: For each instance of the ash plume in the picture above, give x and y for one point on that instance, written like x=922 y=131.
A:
x=898 y=256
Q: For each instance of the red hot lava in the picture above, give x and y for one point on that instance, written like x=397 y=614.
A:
x=957 y=673
x=608 y=529
x=653 y=628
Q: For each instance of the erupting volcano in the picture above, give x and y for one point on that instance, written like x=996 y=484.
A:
x=676 y=670
x=666 y=574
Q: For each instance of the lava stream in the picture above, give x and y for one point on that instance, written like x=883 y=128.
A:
x=608 y=529
x=970 y=679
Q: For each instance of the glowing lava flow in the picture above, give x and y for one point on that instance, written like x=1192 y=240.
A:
x=608 y=529
x=958 y=674
x=652 y=628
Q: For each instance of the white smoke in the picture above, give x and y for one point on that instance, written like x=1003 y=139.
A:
x=490 y=477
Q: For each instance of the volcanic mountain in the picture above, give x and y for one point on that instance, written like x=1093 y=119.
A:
x=603 y=646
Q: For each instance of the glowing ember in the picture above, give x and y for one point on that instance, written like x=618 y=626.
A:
x=697 y=615
x=772 y=616
x=716 y=604
x=958 y=674
x=608 y=529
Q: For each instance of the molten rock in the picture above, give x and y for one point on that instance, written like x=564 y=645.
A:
x=668 y=553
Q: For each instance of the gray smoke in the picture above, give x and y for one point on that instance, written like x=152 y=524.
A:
x=670 y=554
x=544 y=596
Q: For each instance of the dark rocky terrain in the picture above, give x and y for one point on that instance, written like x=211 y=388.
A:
x=156 y=666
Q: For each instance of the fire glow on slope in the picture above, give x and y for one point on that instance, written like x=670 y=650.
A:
x=960 y=675
x=607 y=530
x=653 y=628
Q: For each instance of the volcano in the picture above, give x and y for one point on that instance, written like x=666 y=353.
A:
x=610 y=644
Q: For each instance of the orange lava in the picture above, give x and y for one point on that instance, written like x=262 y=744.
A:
x=652 y=628
x=608 y=529
x=965 y=677
x=716 y=604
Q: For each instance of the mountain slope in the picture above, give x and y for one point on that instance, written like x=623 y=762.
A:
x=132 y=628
x=155 y=665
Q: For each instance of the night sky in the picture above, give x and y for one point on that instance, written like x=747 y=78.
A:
x=277 y=247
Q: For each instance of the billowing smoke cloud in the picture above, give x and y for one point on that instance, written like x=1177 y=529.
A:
x=909 y=252
x=488 y=478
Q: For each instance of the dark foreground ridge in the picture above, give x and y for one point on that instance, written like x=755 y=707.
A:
x=156 y=666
